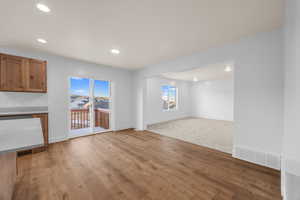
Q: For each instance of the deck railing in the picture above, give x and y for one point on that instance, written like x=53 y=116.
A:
x=101 y=118
x=80 y=118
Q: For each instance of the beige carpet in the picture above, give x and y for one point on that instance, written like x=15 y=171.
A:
x=214 y=134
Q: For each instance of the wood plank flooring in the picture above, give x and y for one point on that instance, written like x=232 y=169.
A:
x=129 y=165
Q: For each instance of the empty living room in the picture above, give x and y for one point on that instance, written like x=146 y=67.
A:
x=150 y=100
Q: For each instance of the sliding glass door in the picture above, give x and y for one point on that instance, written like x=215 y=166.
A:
x=90 y=105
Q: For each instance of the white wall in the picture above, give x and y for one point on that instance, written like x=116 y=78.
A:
x=155 y=113
x=213 y=99
x=291 y=158
x=12 y=99
x=258 y=88
x=59 y=70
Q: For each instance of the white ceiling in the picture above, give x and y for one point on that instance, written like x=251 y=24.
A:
x=146 y=31
x=206 y=73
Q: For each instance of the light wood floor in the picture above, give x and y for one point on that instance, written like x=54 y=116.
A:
x=140 y=166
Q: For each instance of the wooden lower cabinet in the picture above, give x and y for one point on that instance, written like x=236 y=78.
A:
x=44 y=123
x=8 y=175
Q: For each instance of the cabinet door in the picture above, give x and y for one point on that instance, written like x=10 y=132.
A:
x=36 y=76
x=12 y=73
x=44 y=123
x=2 y=73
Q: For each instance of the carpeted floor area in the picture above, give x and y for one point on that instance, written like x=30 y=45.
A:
x=214 y=134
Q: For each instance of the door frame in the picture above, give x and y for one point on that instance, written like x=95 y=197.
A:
x=91 y=129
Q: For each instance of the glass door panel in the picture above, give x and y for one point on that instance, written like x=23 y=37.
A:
x=101 y=105
x=80 y=103
x=172 y=98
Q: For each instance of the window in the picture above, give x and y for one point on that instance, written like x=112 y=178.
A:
x=90 y=102
x=169 y=97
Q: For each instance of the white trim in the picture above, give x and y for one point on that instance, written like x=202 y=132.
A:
x=59 y=139
x=283 y=178
x=87 y=133
x=65 y=138
x=140 y=130
x=267 y=159
x=91 y=100
x=212 y=117
x=112 y=122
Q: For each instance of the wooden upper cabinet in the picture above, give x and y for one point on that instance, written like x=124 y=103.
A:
x=37 y=76
x=12 y=73
x=18 y=74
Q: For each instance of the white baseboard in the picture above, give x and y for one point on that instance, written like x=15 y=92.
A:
x=59 y=139
x=283 y=178
x=266 y=159
x=213 y=118
x=167 y=120
x=63 y=138
x=136 y=129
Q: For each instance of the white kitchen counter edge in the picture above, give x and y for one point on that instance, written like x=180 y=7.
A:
x=23 y=113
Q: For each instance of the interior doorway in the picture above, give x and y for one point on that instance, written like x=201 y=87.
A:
x=90 y=106
x=196 y=106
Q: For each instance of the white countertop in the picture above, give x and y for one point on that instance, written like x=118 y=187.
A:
x=20 y=134
x=23 y=110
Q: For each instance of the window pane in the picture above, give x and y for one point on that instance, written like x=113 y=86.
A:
x=169 y=97
x=172 y=98
x=101 y=94
x=80 y=88
x=165 y=97
x=80 y=103
x=101 y=104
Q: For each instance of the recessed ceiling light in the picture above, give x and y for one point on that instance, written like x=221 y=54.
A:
x=228 y=69
x=40 y=40
x=115 y=51
x=195 y=79
x=43 y=7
